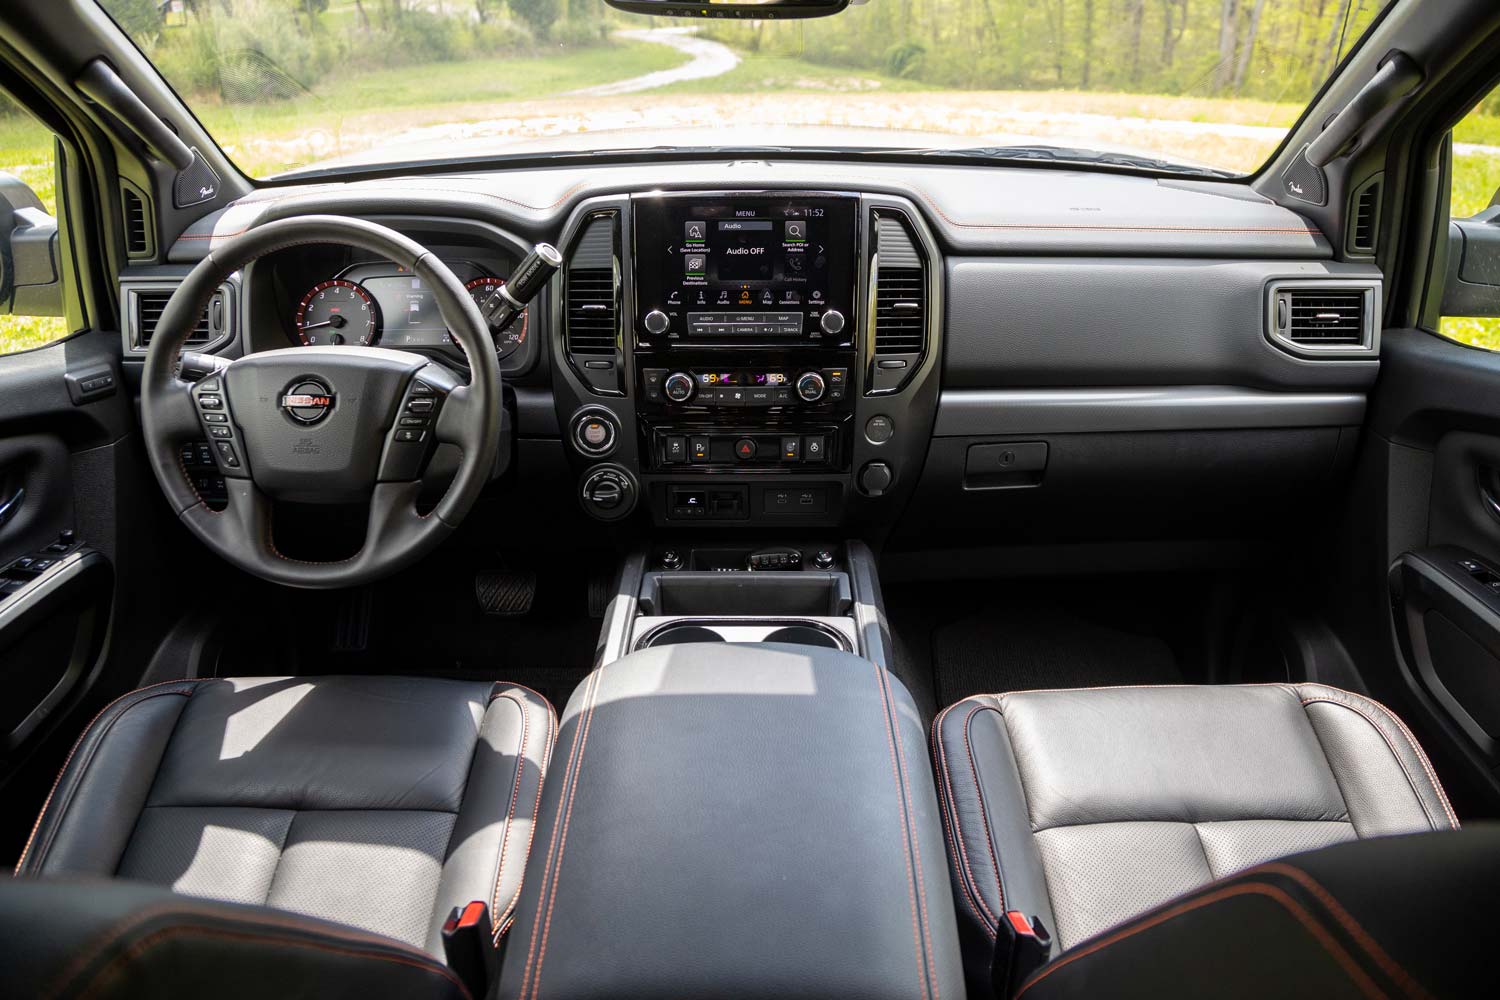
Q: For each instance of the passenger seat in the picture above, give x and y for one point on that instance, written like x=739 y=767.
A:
x=1086 y=808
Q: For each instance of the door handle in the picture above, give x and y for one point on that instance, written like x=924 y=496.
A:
x=9 y=507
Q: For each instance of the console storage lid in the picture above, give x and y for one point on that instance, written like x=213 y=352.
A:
x=737 y=821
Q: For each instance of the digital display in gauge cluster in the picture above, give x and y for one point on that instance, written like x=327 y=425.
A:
x=384 y=304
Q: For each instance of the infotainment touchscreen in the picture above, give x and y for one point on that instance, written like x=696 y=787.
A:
x=745 y=269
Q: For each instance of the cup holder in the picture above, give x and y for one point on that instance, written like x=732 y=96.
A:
x=803 y=635
x=794 y=632
x=683 y=633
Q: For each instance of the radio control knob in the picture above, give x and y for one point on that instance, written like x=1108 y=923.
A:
x=657 y=322
x=679 y=387
x=832 y=322
x=810 y=387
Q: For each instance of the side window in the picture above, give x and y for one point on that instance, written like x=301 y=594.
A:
x=31 y=291
x=1471 y=296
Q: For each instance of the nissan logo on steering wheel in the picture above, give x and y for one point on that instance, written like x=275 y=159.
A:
x=308 y=402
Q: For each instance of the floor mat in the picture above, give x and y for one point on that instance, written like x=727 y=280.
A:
x=1025 y=647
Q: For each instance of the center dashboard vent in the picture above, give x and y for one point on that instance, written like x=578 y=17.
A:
x=592 y=303
x=900 y=302
x=1325 y=318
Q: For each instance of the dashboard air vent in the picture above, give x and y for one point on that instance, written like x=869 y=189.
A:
x=1325 y=317
x=592 y=301
x=149 y=304
x=1364 y=217
x=900 y=304
x=137 y=233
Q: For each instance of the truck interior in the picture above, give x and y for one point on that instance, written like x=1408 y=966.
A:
x=765 y=498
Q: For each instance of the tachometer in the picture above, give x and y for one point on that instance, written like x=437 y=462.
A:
x=337 y=312
x=514 y=335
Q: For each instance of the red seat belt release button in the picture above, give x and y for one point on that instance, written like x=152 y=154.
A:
x=469 y=946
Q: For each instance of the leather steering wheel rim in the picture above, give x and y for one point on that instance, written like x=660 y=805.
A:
x=396 y=535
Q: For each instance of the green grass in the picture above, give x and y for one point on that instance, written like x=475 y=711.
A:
x=757 y=74
x=21 y=333
x=385 y=101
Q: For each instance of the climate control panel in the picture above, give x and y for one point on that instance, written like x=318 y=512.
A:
x=732 y=388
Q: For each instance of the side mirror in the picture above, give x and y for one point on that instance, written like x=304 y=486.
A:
x=744 y=10
x=1473 y=285
x=30 y=282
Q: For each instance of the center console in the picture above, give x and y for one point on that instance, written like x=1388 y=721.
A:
x=746 y=311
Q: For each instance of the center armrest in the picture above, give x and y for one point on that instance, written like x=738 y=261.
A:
x=737 y=821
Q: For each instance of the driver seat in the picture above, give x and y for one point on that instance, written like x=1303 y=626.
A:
x=353 y=814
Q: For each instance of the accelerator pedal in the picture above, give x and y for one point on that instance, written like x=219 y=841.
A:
x=506 y=592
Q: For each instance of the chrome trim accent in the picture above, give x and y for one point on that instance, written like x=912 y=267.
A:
x=985 y=412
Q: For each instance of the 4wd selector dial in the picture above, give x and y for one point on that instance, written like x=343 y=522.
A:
x=679 y=387
x=810 y=387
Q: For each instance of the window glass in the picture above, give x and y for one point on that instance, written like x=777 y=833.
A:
x=1179 y=86
x=31 y=300
x=1476 y=204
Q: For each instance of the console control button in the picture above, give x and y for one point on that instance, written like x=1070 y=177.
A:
x=679 y=387
x=675 y=451
x=745 y=449
x=608 y=492
x=791 y=449
x=815 y=448
x=698 y=448
x=810 y=387
x=651 y=380
x=657 y=322
x=879 y=429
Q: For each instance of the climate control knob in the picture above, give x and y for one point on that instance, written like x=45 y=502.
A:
x=832 y=322
x=679 y=387
x=810 y=387
x=657 y=322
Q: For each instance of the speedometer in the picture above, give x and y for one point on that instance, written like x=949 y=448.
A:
x=337 y=312
x=514 y=335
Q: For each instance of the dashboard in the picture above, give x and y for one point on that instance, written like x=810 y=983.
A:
x=990 y=361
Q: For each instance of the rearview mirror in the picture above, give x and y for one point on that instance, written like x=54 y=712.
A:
x=747 y=10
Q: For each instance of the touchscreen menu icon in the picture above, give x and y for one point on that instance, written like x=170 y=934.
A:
x=796 y=232
x=696 y=265
x=695 y=232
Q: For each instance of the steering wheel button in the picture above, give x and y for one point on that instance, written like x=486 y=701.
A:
x=421 y=389
x=227 y=454
x=216 y=418
x=413 y=421
x=211 y=402
x=412 y=435
x=420 y=405
x=209 y=385
x=220 y=431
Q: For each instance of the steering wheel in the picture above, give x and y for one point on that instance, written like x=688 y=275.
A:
x=322 y=424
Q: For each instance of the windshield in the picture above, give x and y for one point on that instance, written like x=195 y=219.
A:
x=1191 y=85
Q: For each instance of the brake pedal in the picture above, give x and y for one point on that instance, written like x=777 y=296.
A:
x=507 y=592
x=351 y=621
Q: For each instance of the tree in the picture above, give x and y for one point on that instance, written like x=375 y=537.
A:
x=539 y=14
x=137 y=18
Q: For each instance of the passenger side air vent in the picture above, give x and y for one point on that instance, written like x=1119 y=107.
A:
x=145 y=304
x=899 y=313
x=592 y=303
x=1364 y=217
x=1322 y=318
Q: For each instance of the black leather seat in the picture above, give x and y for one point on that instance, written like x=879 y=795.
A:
x=1086 y=808
x=376 y=803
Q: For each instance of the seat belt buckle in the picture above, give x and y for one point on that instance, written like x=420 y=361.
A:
x=1022 y=946
x=469 y=946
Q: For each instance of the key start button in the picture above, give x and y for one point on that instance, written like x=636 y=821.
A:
x=595 y=434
